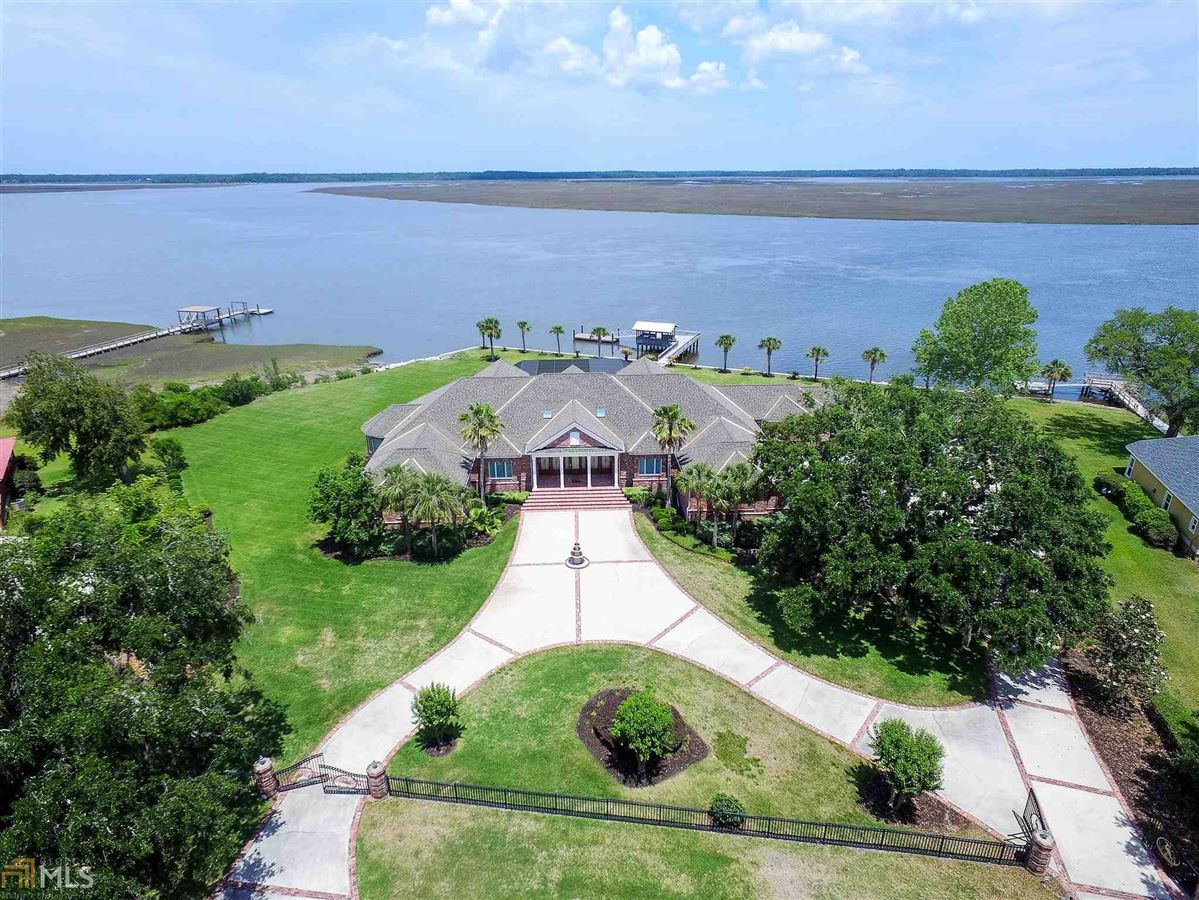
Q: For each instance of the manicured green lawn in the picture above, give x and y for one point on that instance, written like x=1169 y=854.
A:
x=734 y=376
x=520 y=732
x=903 y=667
x=326 y=634
x=1096 y=436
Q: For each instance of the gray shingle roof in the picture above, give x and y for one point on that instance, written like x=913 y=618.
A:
x=1175 y=463
x=378 y=425
x=535 y=408
x=503 y=369
x=769 y=402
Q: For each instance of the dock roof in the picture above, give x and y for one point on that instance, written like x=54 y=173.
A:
x=655 y=326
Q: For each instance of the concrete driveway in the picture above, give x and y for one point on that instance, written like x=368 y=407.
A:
x=1028 y=737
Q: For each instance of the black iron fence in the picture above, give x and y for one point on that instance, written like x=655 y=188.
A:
x=300 y=774
x=1004 y=853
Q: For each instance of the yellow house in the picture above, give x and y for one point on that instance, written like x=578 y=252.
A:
x=1168 y=470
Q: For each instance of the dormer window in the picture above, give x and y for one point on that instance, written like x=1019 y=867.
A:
x=601 y=411
x=547 y=414
x=575 y=439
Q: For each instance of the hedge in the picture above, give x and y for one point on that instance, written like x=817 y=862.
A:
x=1149 y=520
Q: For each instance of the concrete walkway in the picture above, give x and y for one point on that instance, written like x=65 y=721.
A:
x=1029 y=736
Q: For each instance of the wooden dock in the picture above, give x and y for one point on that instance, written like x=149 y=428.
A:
x=609 y=338
x=191 y=319
x=685 y=342
x=1114 y=388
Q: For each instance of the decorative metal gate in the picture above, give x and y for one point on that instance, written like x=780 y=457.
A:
x=339 y=781
x=301 y=774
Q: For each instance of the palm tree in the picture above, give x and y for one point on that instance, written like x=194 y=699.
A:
x=484 y=326
x=745 y=484
x=525 y=328
x=600 y=332
x=769 y=344
x=436 y=500
x=625 y=352
x=874 y=356
x=395 y=494
x=1056 y=371
x=725 y=342
x=816 y=354
x=670 y=429
x=700 y=481
x=481 y=426
x=490 y=329
x=722 y=500
x=557 y=331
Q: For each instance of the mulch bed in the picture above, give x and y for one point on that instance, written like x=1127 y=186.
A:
x=595 y=731
x=1138 y=755
x=924 y=813
x=439 y=750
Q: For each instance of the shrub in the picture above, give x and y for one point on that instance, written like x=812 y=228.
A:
x=238 y=391
x=481 y=520
x=644 y=726
x=1111 y=485
x=909 y=760
x=748 y=534
x=344 y=498
x=27 y=483
x=451 y=540
x=435 y=713
x=726 y=811
x=170 y=453
x=1156 y=527
x=280 y=379
x=365 y=370
x=796 y=607
x=794 y=376
x=1126 y=651
x=322 y=378
x=724 y=536
x=667 y=518
x=517 y=497
x=747 y=370
x=1182 y=724
x=343 y=374
x=638 y=496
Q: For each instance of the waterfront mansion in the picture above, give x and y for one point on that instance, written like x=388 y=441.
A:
x=578 y=429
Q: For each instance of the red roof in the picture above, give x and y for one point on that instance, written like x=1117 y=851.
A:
x=6 y=448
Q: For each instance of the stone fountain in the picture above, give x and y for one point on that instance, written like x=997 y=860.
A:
x=576 y=560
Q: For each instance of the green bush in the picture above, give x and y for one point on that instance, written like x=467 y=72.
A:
x=1157 y=528
x=638 y=496
x=238 y=391
x=483 y=521
x=1125 y=651
x=1111 y=485
x=644 y=726
x=910 y=760
x=796 y=605
x=748 y=534
x=451 y=540
x=343 y=374
x=667 y=518
x=365 y=370
x=703 y=532
x=507 y=497
x=726 y=811
x=435 y=712
x=1182 y=723
x=170 y=454
x=27 y=483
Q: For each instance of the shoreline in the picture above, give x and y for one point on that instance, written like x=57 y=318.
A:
x=1030 y=201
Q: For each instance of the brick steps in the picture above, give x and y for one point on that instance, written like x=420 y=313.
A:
x=576 y=498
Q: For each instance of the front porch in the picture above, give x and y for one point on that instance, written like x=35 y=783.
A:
x=581 y=470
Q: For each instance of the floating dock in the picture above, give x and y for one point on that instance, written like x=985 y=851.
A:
x=609 y=338
x=191 y=319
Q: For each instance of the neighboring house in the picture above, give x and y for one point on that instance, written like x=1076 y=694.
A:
x=1168 y=470
x=8 y=464
x=575 y=429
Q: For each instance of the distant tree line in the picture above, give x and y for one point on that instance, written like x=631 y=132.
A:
x=517 y=175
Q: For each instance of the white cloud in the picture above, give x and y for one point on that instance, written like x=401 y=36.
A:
x=753 y=82
x=709 y=77
x=785 y=39
x=741 y=25
x=850 y=11
x=644 y=60
x=850 y=60
x=457 y=12
x=572 y=58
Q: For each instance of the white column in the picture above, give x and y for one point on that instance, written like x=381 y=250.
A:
x=561 y=471
x=534 y=463
x=589 y=472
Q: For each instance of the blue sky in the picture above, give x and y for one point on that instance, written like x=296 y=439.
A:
x=295 y=86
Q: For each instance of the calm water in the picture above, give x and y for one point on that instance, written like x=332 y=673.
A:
x=412 y=278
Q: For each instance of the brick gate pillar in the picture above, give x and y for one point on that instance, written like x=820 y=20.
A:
x=264 y=777
x=1040 y=852
x=376 y=780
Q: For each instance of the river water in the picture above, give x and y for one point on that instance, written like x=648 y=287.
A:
x=413 y=278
